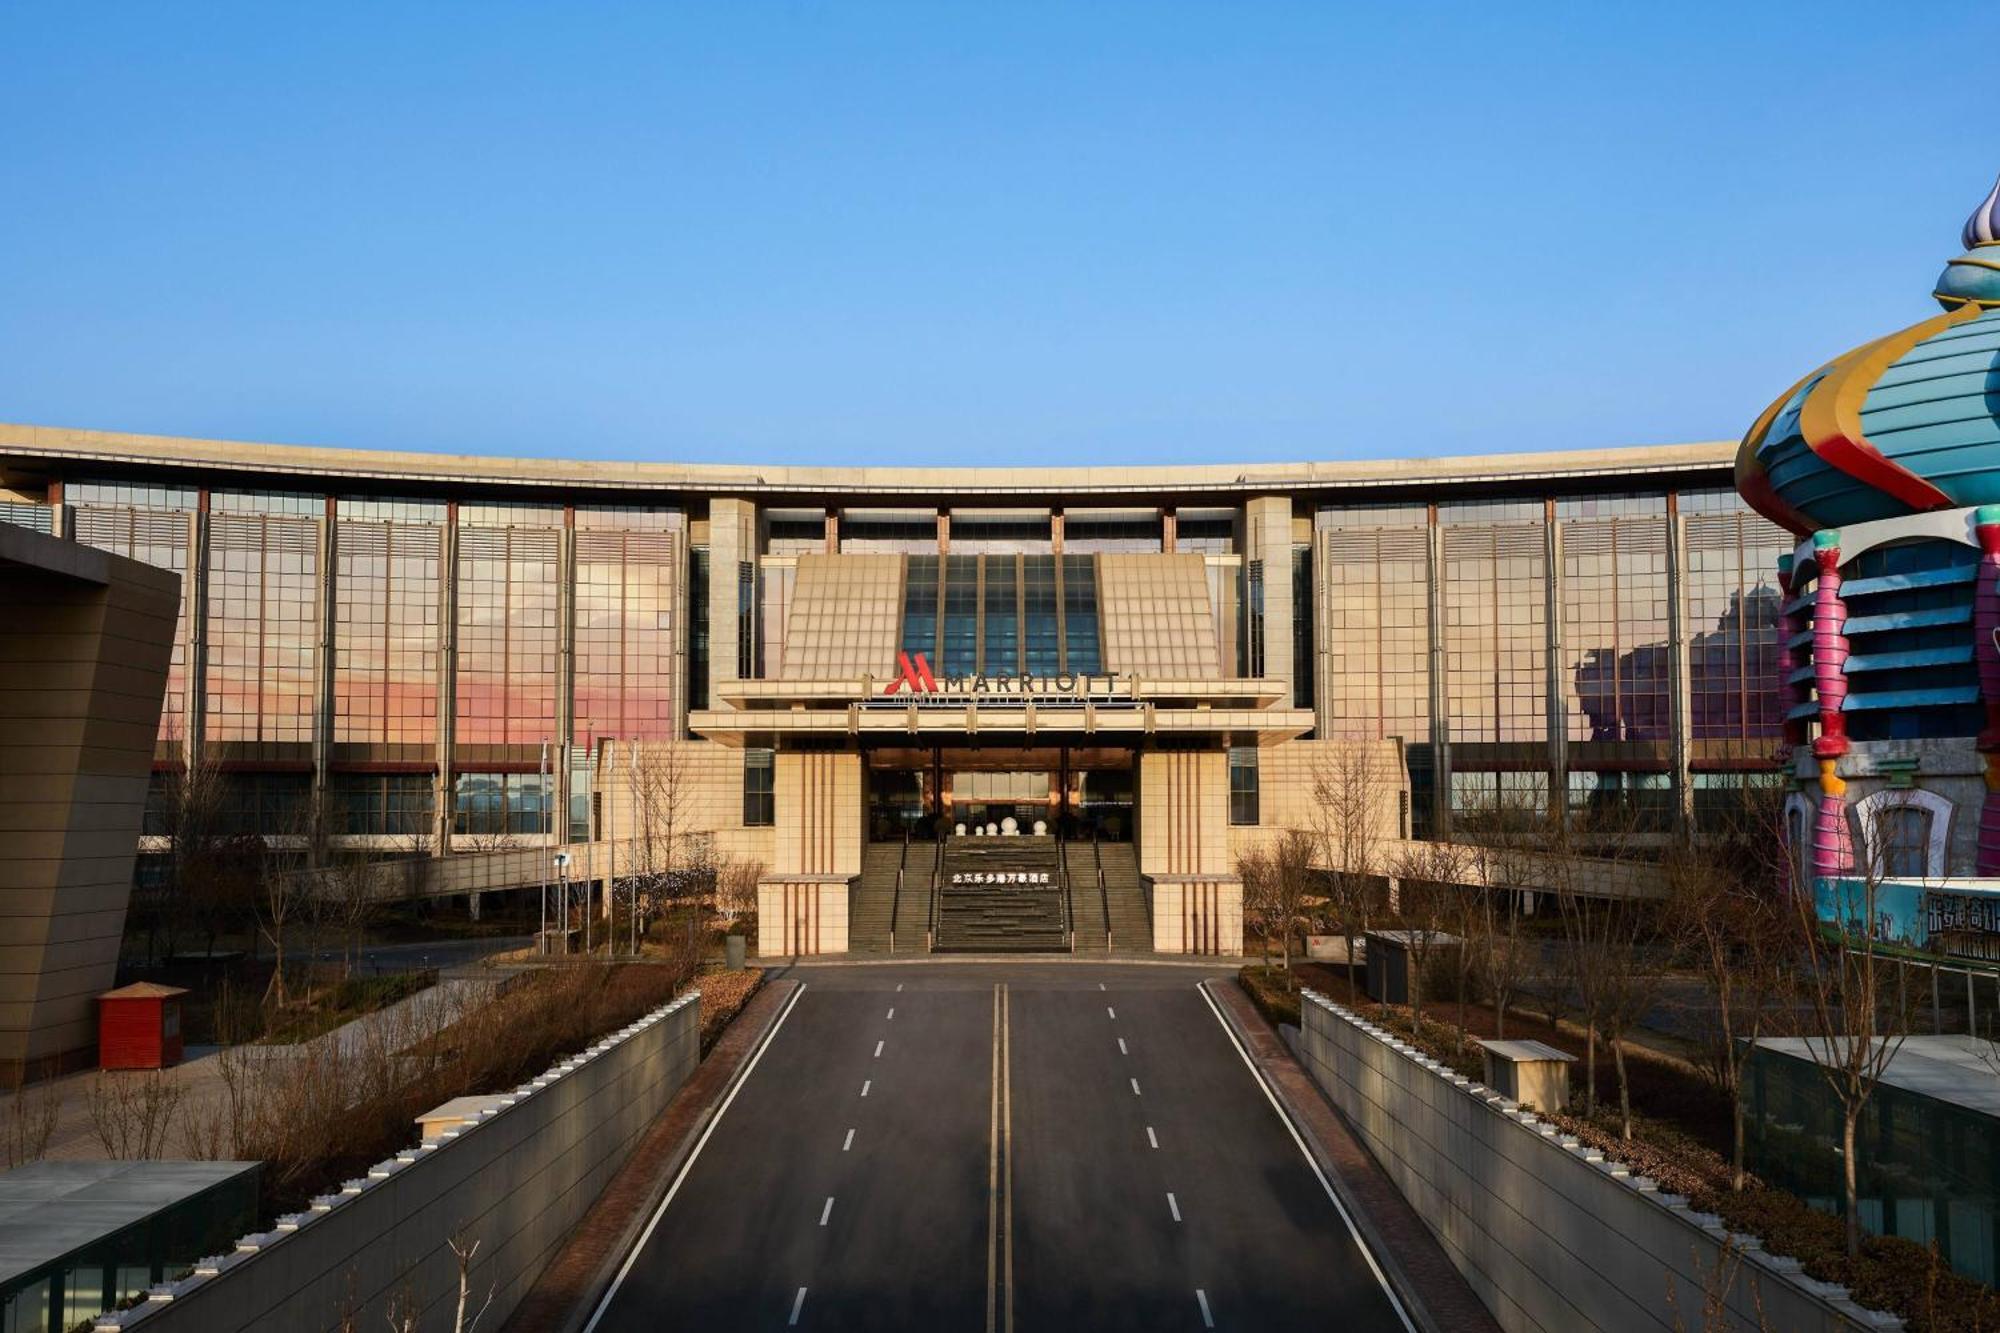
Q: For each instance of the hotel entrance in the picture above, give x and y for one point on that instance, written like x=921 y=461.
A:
x=1074 y=792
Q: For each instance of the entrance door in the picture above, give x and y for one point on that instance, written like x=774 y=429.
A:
x=989 y=800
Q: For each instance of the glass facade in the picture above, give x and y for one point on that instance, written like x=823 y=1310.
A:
x=1603 y=731
x=388 y=586
x=626 y=591
x=508 y=639
x=1002 y=614
x=1520 y=645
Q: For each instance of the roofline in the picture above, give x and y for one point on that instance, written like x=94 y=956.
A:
x=25 y=449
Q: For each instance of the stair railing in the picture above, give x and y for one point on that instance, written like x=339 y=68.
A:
x=896 y=902
x=937 y=878
x=1068 y=904
x=1103 y=895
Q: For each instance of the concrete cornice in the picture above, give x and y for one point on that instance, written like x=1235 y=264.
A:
x=26 y=450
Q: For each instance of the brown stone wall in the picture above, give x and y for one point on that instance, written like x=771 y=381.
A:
x=85 y=640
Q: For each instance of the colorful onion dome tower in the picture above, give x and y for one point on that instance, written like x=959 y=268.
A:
x=1886 y=462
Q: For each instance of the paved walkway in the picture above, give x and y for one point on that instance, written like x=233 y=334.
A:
x=200 y=1074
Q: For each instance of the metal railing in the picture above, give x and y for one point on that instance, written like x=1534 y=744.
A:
x=1103 y=894
x=896 y=901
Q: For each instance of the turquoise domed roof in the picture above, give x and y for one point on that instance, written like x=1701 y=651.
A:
x=1906 y=423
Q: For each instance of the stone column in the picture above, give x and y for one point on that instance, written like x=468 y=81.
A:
x=1268 y=525
x=1833 y=849
x=1986 y=651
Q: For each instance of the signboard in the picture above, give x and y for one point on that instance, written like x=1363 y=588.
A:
x=915 y=682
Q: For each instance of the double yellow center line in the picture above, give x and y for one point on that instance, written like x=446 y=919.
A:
x=1000 y=1179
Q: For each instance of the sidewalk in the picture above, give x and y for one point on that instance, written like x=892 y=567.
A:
x=200 y=1074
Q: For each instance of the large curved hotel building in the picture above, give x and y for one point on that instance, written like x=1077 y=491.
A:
x=450 y=653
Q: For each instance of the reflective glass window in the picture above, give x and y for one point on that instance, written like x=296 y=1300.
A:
x=1081 y=652
x=1002 y=654
x=1038 y=609
x=960 y=649
x=920 y=606
x=1243 y=785
x=759 y=788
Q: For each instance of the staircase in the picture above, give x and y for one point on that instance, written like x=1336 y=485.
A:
x=993 y=917
x=868 y=907
x=1130 y=920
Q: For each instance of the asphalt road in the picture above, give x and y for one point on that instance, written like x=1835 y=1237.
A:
x=1028 y=1147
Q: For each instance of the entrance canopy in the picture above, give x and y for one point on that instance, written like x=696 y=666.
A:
x=1117 y=708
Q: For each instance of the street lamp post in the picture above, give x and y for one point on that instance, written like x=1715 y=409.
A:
x=562 y=877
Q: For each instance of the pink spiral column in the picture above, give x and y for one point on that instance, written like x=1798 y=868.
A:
x=1833 y=849
x=1790 y=693
x=1986 y=651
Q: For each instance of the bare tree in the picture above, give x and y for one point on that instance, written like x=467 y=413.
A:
x=463 y=1251
x=131 y=1112
x=1291 y=874
x=659 y=852
x=203 y=874
x=1855 y=1009
x=1430 y=875
x=1731 y=930
x=1260 y=907
x=31 y=1120
x=1350 y=787
x=736 y=888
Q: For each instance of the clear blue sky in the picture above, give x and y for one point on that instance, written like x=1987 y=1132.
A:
x=838 y=232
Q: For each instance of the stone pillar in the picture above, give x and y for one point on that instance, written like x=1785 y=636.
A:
x=1184 y=812
x=732 y=543
x=1986 y=651
x=1833 y=849
x=802 y=903
x=1267 y=521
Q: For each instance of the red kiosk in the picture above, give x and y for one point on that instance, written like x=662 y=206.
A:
x=139 y=1026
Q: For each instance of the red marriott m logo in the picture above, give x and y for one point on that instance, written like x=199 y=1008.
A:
x=916 y=673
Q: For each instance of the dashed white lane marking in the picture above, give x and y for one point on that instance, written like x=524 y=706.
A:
x=1151 y=1137
x=899 y=988
x=866 y=1084
x=1113 y=1012
x=892 y=1015
x=1121 y=1047
x=827 y=1211
x=1135 y=1088
x=799 y=1303
x=848 y=1143
x=878 y=1050
x=1100 y=985
x=1207 y=1319
x=1173 y=1206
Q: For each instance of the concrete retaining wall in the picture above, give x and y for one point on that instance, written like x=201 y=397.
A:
x=517 y=1182
x=1549 y=1234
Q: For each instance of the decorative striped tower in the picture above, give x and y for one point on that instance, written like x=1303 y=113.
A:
x=1986 y=651
x=1833 y=849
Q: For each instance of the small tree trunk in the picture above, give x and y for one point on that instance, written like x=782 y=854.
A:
x=1737 y=1129
x=1624 y=1088
x=1590 y=1070
x=1853 y=1113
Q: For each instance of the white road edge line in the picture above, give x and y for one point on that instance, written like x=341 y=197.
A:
x=849 y=1143
x=799 y=1303
x=741 y=1078
x=1325 y=1184
x=1151 y=1138
x=1173 y=1205
x=827 y=1211
x=1207 y=1319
